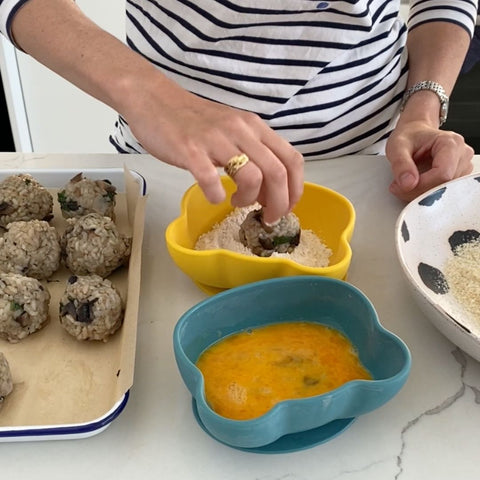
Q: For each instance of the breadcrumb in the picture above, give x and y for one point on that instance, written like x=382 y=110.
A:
x=310 y=252
x=462 y=273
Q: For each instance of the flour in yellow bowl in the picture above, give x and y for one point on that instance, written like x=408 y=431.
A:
x=247 y=373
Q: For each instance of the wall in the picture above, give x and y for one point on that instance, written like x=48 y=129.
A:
x=59 y=117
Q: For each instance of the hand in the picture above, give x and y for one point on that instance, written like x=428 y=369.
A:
x=172 y=124
x=423 y=157
x=198 y=135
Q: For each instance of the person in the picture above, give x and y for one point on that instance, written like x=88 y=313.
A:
x=201 y=84
x=472 y=57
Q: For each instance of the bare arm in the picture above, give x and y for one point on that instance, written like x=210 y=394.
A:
x=435 y=52
x=60 y=36
x=172 y=124
x=422 y=156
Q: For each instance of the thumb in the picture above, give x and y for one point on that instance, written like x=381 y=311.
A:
x=405 y=173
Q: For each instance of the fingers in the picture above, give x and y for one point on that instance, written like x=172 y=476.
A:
x=201 y=136
x=205 y=173
x=249 y=184
x=206 y=137
x=447 y=157
x=405 y=172
x=293 y=162
x=451 y=158
x=273 y=175
x=280 y=166
x=275 y=183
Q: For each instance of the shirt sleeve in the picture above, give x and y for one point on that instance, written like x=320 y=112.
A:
x=460 y=12
x=8 y=9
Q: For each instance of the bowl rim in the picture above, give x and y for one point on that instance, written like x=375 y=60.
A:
x=199 y=394
x=452 y=321
x=344 y=238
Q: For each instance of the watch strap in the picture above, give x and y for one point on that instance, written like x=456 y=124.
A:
x=433 y=87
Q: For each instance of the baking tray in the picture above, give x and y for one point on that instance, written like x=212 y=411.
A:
x=65 y=388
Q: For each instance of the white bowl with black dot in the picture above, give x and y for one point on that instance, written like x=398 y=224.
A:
x=430 y=231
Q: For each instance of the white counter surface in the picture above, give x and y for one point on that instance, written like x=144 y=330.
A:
x=430 y=430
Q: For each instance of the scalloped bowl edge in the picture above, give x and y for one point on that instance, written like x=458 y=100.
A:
x=350 y=400
x=245 y=269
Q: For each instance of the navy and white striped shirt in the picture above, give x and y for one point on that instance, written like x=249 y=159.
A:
x=326 y=75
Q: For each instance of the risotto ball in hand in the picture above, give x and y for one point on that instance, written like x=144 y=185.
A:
x=24 y=198
x=92 y=244
x=82 y=195
x=90 y=308
x=263 y=240
x=24 y=304
x=30 y=248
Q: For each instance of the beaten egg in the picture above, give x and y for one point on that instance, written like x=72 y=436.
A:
x=247 y=373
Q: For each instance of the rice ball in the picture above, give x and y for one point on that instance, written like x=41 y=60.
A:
x=263 y=240
x=24 y=304
x=82 y=195
x=90 y=308
x=30 y=248
x=92 y=244
x=6 y=385
x=24 y=198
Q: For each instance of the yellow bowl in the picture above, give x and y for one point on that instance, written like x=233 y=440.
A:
x=326 y=212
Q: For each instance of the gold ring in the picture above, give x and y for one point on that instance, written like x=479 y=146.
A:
x=235 y=164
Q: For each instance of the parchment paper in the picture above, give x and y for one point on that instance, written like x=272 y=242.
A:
x=59 y=380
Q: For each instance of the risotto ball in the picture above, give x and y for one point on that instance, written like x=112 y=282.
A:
x=24 y=304
x=82 y=195
x=263 y=240
x=30 y=248
x=90 y=308
x=92 y=244
x=22 y=197
x=6 y=385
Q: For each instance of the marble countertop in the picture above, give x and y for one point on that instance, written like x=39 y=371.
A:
x=428 y=431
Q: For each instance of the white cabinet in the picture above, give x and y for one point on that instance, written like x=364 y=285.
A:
x=47 y=113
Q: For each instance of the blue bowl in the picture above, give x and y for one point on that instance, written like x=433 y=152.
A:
x=317 y=299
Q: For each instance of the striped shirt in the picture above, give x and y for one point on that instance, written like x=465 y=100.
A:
x=326 y=75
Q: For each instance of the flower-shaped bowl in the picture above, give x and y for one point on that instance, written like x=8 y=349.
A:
x=327 y=213
x=429 y=231
x=298 y=423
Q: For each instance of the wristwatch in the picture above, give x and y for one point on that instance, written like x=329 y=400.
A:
x=433 y=87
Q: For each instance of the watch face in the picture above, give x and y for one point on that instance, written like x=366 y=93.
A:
x=444 y=110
